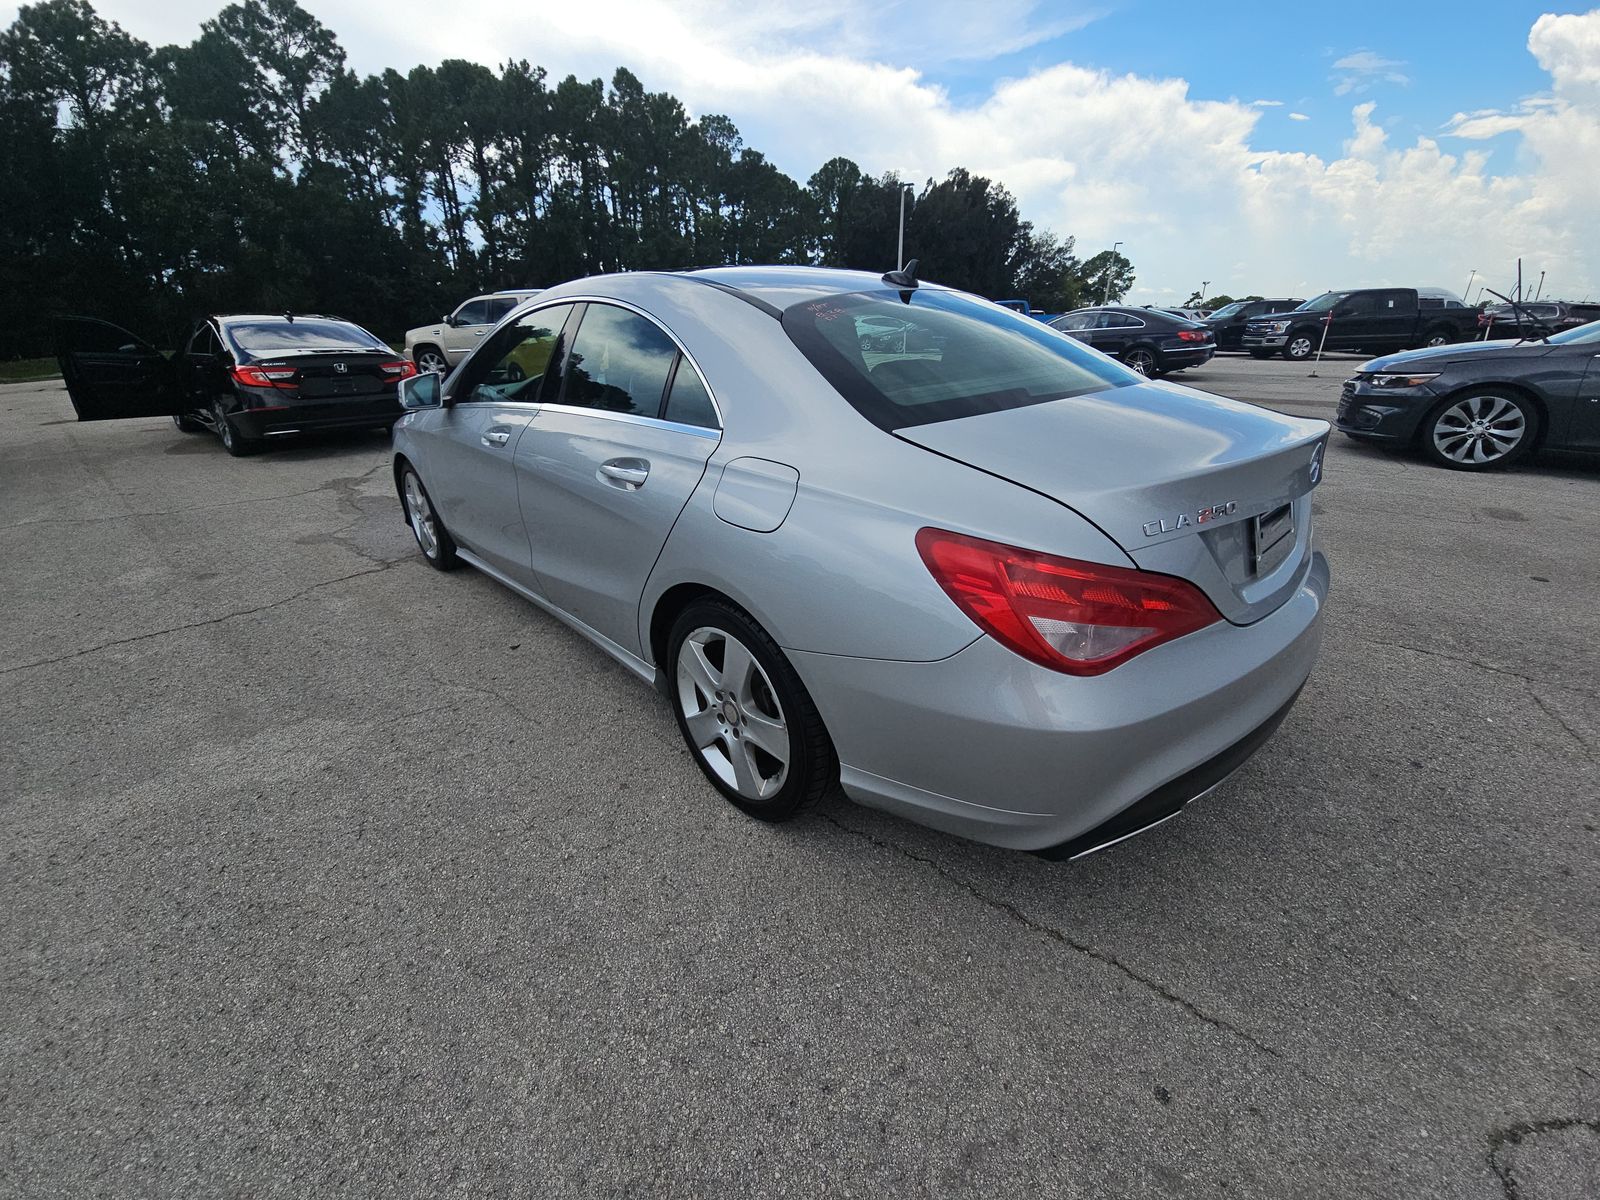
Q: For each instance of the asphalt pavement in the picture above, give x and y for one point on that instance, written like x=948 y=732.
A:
x=326 y=874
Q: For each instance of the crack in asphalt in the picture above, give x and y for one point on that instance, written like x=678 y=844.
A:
x=1009 y=909
x=1515 y=1135
x=229 y=616
x=1555 y=715
x=1483 y=666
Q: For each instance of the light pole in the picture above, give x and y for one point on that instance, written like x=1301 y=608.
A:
x=1204 y=284
x=1540 y=291
x=1470 y=278
x=1105 y=295
x=900 y=248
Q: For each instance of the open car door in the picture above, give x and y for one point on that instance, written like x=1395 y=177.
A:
x=112 y=374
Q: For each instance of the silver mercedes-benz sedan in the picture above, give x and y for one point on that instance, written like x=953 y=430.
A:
x=873 y=532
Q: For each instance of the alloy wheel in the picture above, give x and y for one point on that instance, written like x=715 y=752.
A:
x=732 y=713
x=421 y=514
x=1479 y=429
x=1300 y=347
x=1141 y=361
x=430 y=360
x=224 y=429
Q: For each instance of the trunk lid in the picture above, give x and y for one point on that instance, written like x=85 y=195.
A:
x=1190 y=484
x=336 y=374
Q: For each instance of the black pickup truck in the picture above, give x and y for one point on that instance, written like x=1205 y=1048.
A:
x=1369 y=320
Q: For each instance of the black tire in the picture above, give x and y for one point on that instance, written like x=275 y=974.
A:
x=1261 y=353
x=1143 y=360
x=187 y=425
x=430 y=358
x=1300 y=345
x=812 y=768
x=1439 y=335
x=234 y=442
x=1468 y=431
x=433 y=539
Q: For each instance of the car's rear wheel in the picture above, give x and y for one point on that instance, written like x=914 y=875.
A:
x=1142 y=359
x=433 y=539
x=748 y=720
x=429 y=359
x=1479 y=430
x=234 y=442
x=1299 y=347
x=1439 y=335
x=187 y=425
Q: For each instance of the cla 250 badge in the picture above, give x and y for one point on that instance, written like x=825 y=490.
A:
x=1184 y=520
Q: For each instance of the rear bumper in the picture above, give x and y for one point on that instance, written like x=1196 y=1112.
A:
x=353 y=413
x=988 y=746
x=1179 y=360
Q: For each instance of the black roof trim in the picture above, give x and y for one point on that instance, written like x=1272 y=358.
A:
x=772 y=310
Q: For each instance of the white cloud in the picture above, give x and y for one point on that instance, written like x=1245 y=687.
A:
x=1362 y=69
x=1266 y=103
x=1090 y=153
x=1298 y=116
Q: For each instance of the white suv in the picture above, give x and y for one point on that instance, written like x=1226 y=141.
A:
x=439 y=347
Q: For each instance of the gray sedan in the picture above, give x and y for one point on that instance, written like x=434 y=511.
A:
x=1481 y=405
x=983 y=576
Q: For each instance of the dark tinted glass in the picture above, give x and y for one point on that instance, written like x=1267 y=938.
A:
x=499 y=308
x=278 y=335
x=513 y=365
x=619 y=362
x=689 y=403
x=962 y=358
x=474 y=312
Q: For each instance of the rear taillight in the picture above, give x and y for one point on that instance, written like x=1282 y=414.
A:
x=402 y=368
x=266 y=377
x=1194 y=335
x=1079 y=617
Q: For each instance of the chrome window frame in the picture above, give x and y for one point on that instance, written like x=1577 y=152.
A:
x=657 y=422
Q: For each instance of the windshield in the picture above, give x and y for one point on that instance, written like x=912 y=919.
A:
x=278 y=335
x=940 y=356
x=1227 y=310
x=1323 y=302
x=1582 y=335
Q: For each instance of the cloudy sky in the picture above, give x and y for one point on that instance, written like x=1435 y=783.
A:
x=1265 y=150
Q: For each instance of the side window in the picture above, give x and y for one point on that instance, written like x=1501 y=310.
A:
x=689 y=403
x=204 y=342
x=619 y=362
x=1398 y=301
x=1075 y=322
x=499 y=308
x=1115 y=320
x=513 y=365
x=473 y=312
x=1359 y=305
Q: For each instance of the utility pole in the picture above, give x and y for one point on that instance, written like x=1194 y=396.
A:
x=900 y=249
x=1105 y=295
x=1204 y=284
x=1541 y=286
x=1468 y=290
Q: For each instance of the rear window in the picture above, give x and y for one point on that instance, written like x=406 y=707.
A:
x=940 y=356
x=279 y=336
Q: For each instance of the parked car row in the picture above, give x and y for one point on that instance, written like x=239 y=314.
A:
x=1368 y=320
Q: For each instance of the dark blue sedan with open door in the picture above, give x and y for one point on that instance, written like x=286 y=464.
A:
x=248 y=379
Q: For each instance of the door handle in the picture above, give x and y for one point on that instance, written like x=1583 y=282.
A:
x=497 y=437
x=479 y=332
x=628 y=474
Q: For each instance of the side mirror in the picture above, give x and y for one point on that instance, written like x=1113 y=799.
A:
x=420 y=391
x=449 y=319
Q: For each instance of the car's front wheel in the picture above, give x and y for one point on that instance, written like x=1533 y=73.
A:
x=433 y=539
x=1299 y=347
x=429 y=359
x=1480 y=430
x=744 y=713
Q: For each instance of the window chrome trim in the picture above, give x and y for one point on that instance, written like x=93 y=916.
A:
x=579 y=410
x=535 y=306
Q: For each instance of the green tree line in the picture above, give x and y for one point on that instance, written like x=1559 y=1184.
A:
x=252 y=170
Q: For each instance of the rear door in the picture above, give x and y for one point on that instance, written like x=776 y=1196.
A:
x=112 y=374
x=1585 y=428
x=604 y=473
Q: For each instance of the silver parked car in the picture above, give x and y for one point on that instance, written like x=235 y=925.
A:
x=993 y=581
